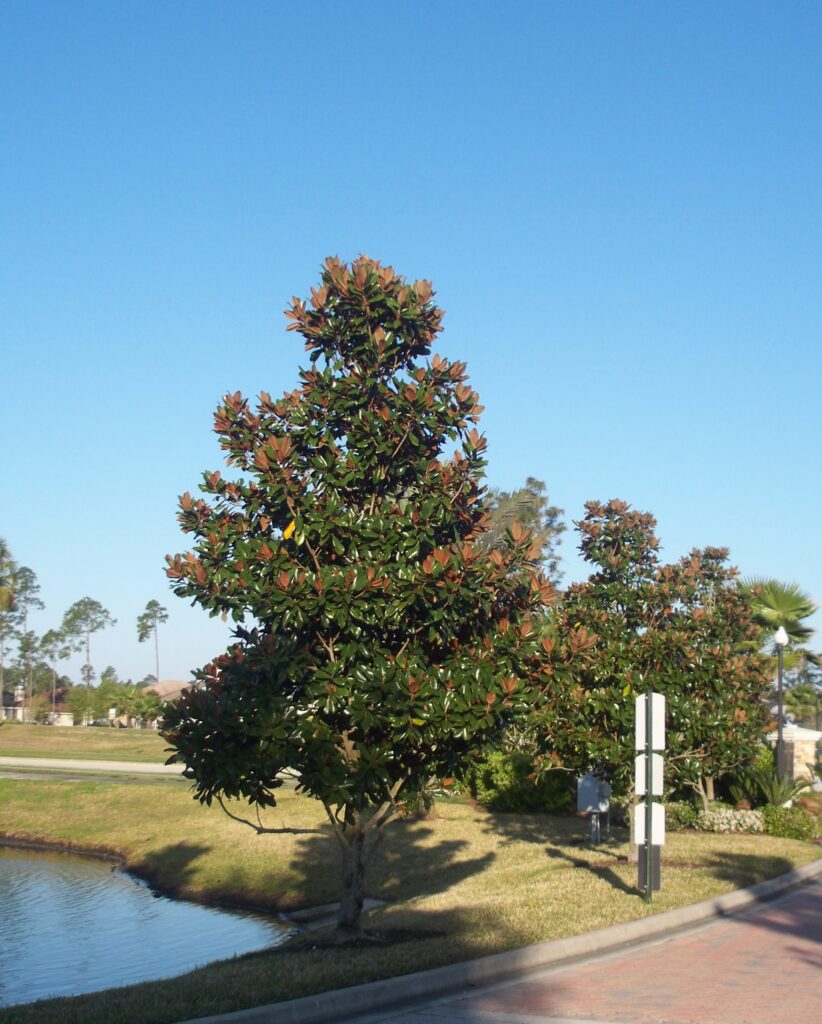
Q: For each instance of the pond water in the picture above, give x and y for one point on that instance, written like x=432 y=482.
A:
x=73 y=924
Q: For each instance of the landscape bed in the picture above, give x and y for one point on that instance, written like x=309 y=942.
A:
x=463 y=884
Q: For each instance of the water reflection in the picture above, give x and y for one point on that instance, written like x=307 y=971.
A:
x=74 y=924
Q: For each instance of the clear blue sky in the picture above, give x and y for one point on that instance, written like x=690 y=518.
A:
x=618 y=204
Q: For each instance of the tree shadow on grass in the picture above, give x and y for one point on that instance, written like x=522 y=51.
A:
x=596 y=868
x=746 y=869
x=797 y=911
x=408 y=862
x=564 y=839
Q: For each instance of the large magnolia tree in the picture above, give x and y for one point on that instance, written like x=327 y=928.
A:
x=376 y=644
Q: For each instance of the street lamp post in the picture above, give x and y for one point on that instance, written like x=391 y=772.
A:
x=780 y=639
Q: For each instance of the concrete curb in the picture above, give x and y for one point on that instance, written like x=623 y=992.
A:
x=339 y=1004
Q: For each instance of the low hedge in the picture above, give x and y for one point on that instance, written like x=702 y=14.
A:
x=679 y=814
x=504 y=781
x=789 y=822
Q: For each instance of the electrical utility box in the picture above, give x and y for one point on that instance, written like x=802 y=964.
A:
x=593 y=795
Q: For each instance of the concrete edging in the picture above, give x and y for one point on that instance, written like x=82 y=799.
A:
x=338 y=1004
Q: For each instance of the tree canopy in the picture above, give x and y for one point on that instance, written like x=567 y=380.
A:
x=376 y=644
x=683 y=630
x=148 y=624
x=7 y=569
x=85 y=617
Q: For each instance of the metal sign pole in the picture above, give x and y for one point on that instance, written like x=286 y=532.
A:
x=649 y=806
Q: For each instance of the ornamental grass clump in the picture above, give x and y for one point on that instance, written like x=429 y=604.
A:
x=727 y=819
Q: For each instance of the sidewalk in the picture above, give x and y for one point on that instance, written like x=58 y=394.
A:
x=65 y=764
x=752 y=956
x=762 y=968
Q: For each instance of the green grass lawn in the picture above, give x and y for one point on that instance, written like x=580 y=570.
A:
x=91 y=742
x=464 y=884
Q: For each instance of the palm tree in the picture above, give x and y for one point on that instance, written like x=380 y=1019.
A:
x=149 y=707
x=127 y=701
x=529 y=507
x=778 y=604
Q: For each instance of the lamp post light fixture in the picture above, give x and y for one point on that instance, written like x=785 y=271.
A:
x=780 y=639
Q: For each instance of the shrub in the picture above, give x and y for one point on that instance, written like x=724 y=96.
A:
x=789 y=822
x=726 y=819
x=778 y=790
x=621 y=811
x=503 y=782
x=763 y=785
x=680 y=814
x=744 y=785
x=812 y=802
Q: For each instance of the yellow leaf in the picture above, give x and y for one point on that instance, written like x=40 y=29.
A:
x=626 y=689
x=418 y=721
x=289 y=529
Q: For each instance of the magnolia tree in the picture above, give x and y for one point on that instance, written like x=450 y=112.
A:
x=377 y=645
x=684 y=630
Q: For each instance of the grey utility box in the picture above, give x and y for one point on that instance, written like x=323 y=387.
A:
x=593 y=795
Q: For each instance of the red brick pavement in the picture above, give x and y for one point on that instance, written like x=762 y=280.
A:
x=764 y=968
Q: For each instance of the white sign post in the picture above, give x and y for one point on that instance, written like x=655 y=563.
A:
x=649 y=817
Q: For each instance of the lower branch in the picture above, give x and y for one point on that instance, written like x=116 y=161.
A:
x=261 y=829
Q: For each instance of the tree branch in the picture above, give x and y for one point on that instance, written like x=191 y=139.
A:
x=334 y=825
x=310 y=550
x=387 y=808
x=261 y=829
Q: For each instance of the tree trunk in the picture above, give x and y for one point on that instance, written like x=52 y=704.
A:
x=27 y=673
x=709 y=787
x=352 y=843
x=701 y=788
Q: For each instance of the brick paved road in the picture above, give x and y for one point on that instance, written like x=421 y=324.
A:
x=764 y=968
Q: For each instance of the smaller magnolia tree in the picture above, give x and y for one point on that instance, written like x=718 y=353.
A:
x=684 y=630
x=377 y=645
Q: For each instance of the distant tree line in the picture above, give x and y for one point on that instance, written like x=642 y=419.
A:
x=31 y=661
